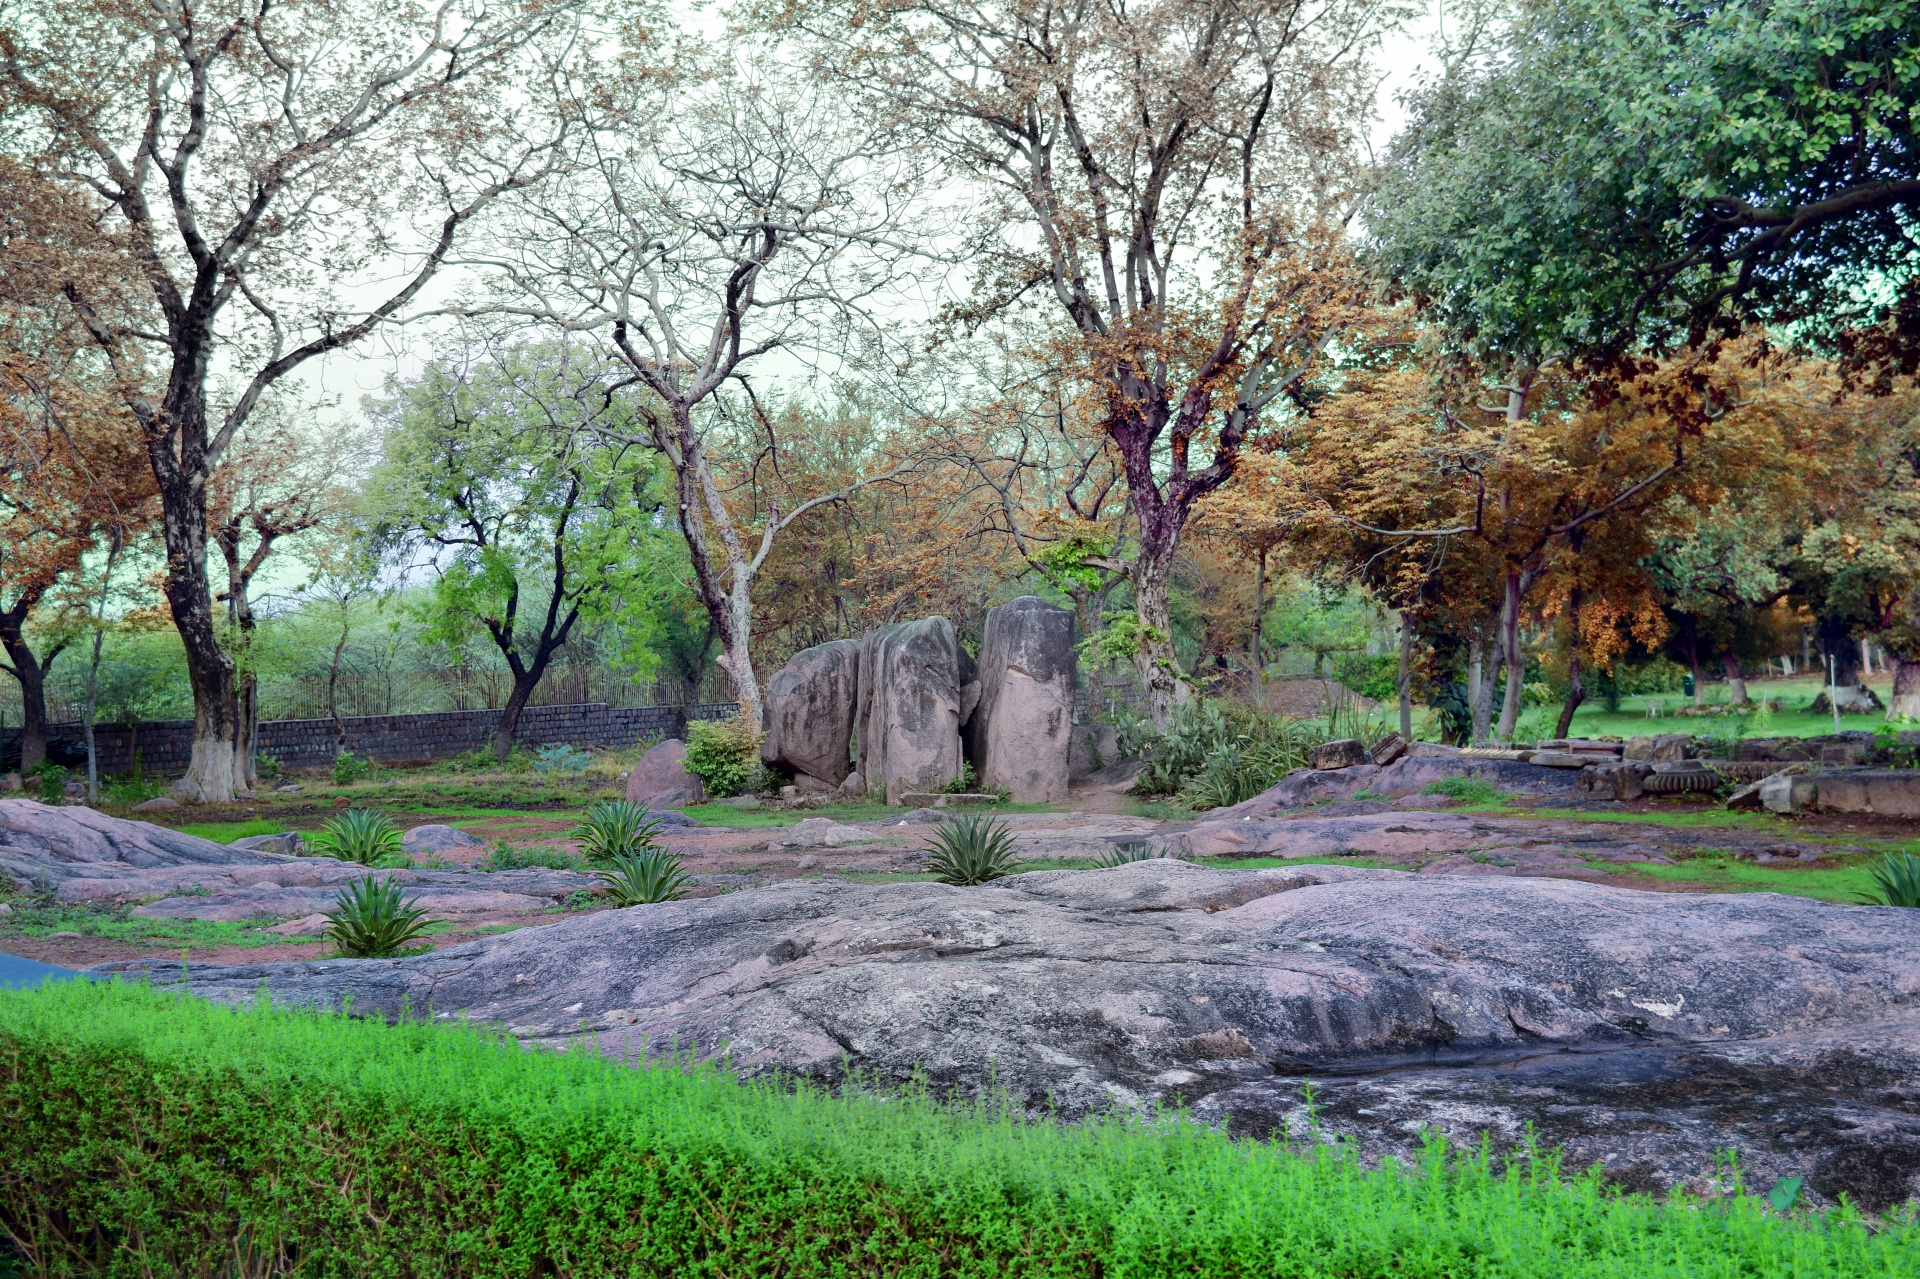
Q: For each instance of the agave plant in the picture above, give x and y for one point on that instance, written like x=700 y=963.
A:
x=371 y=920
x=358 y=835
x=971 y=850
x=1896 y=881
x=615 y=827
x=643 y=877
x=1121 y=854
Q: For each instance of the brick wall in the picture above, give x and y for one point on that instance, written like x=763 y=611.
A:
x=164 y=746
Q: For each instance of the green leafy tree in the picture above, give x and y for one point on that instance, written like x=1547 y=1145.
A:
x=1591 y=174
x=499 y=473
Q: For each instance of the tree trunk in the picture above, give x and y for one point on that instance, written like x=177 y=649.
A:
x=31 y=674
x=209 y=777
x=1905 y=701
x=738 y=659
x=524 y=683
x=1154 y=661
x=333 y=685
x=1403 y=681
x=1514 y=660
x=1736 y=682
x=1576 y=690
x=1481 y=679
x=1835 y=642
x=1690 y=642
x=1866 y=658
x=1260 y=610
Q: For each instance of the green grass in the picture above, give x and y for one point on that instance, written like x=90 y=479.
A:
x=33 y=920
x=153 y=1134
x=1594 y=720
x=1717 y=869
x=227 y=832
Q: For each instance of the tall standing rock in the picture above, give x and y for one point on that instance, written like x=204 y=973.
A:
x=1021 y=734
x=810 y=712
x=917 y=688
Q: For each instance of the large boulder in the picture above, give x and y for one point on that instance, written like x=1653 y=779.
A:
x=661 y=779
x=917 y=688
x=1021 y=732
x=1076 y=991
x=810 y=705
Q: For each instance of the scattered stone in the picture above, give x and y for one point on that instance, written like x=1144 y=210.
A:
x=1786 y=792
x=63 y=935
x=661 y=779
x=823 y=832
x=1388 y=749
x=671 y=819
x=1412 y=993
x=1433 y=750
x=1557 y=759
x=5 y=910
x=810 y=703
x=854 y=787
x=286 y=843
x=10 y=784
x=1020 y=733
x=1346 y=752
x=1890 y=793
x=1615 y=779
x=947 y=799
x=917 y=688
x=1091 y=749
x=158 y=804
x=1638 y=748
x=922 y=817
x=305 y=926
x=1673 y=747
x=438 y=839
x=291 y=788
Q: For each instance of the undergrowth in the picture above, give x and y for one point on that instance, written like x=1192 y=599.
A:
x=350 y=1146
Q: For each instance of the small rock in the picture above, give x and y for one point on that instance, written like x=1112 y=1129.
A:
x=1557 y=759
x=10 y=784
x=291 y=788
x=438 y=839
x=1787 y=792
x=855 y=786
x=5 y=910
x=661 y=779
x=809 y=862
x=1389 y=748
x=922 y=817
x=305 y=926
x=63 y=936
x=823 y=832
x=1746 y=798
x=739 y=801
x=158 y=803
x=287 y=842
x=1347 y=752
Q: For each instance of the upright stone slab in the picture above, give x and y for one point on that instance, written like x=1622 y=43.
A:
x=810 y=704
x=1021 y=735
x=917 y=687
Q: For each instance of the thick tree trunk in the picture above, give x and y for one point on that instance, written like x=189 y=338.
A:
x=210 y=775
x=523 y=685
x=31 y=674
x=1403 y=680
x=1260 y=611
x=738 y=658
x=1481 y=678
x=1576 y=689
x=1154 y=661
x=1835 y=642
x=1736 y=682
x=1905 y=701
x=1511 y=656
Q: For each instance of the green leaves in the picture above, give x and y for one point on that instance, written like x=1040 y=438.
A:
x=359 y=835
x=1896 y=881
x=644 y=877
x=971 y=850
x=371 y=920
x=615 y=828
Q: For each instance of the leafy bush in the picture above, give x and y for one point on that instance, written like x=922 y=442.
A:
x=1375 y=677
x=971 y=850
x=1124 y=854
x=348 y=768
x=358 y=835
x=1475 y=790
x=53 y=780
x=724 y=754
x=1896 y=881
x=615 y=827
x=1216 y=752
x=560 y=758
x=642 y=877
x=267 y=767
x=371 y=920
x=505 y=856
x=963 y=784
x=220 y=1137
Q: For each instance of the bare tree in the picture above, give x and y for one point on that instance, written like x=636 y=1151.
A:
x=268 y=169
x=1170 y=181
x=700 y=228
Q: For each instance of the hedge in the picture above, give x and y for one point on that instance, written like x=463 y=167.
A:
x=153 y=1134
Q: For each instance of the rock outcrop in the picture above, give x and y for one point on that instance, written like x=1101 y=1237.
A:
x=1161 y=980
x=1407 y=775
x=1020 y=734
x=917 y=689
x=661 y=779
x=810 y=704
x=81 y=857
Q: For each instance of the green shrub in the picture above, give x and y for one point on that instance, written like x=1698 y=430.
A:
x=53 y=781
x=643 y=877
x=505 y=856
x=348 y=768
x=1125 y=854
x=1475 y=790
x=358 y=835
x=147 y=1134
x=371 y=920
x=971 y=850
x=561 y=758
x=1216 y=752
x=266 y=767
x=724 y=754
x=614 y=827
x=1896 y=881
x=1376 y=677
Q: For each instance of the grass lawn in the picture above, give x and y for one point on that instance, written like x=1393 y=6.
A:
x=1717 y=869
x=30 y=919
x=227 y=832
x=1632 y=719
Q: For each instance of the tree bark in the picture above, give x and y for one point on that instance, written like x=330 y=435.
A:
x=1511 y=656
x=1736 y=682
x=1905 y=701
x=1481 y=679
x=1154 y=661
x=1576 y=689
x=1836 y=642
x=333 y=683
x=1260 y=610
x=1403 y=681
x=31 y=674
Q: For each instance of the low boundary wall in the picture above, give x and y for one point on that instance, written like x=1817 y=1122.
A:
x=163 y=747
